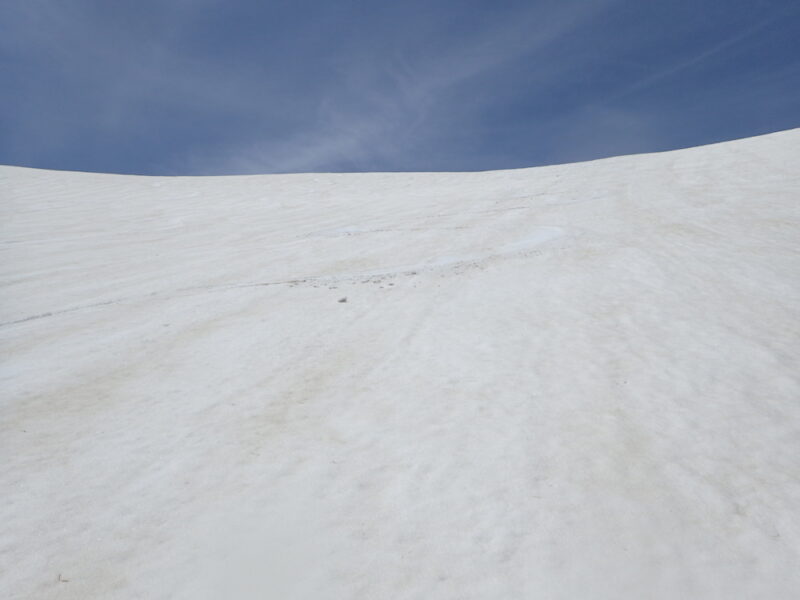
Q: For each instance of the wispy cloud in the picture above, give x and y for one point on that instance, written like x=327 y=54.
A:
x=388 y=109
x=695 y=60
x=209 y=86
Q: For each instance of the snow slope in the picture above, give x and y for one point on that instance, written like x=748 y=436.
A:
x=566 y=382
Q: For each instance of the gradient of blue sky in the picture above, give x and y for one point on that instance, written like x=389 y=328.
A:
x=260 y=86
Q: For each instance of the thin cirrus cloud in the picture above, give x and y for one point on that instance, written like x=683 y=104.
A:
x=390 y=116
x=212 y=87
x=698 y=58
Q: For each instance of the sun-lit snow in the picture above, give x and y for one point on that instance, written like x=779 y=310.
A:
x=566 y=382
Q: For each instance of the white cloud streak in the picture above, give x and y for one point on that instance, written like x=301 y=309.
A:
x=654 y=78
x=368 y=120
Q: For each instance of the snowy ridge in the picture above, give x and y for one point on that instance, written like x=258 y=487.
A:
x=577 y=381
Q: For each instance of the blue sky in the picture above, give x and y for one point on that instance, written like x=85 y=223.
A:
x=169 y=87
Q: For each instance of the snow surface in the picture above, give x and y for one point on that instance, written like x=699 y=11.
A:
x=566 y=382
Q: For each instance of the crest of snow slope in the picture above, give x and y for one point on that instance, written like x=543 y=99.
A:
x=566 y=382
